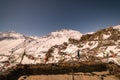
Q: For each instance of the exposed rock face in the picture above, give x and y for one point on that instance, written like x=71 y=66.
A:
x=104 y=34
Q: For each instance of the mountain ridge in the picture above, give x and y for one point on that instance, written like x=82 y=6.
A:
x=60 y=46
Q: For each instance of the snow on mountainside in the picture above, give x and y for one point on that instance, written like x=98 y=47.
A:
x=57 y=37
x=10 y=35
x=117 y=27
x=16 y=48
x=60 y=46
x=102 y=46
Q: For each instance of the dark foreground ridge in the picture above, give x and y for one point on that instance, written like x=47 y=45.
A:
x=62 y=68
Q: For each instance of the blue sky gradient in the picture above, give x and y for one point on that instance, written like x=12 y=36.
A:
x=40 y=17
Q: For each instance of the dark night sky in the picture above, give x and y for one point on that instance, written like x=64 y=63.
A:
x=39 y=17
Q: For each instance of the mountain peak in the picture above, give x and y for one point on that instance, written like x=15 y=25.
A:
x=11 y=35
x=117 y=27
x=66 y=32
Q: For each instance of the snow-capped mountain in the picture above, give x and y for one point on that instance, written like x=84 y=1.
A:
x=117 y=27
x=13 y=46
x=10 y=35
x=102 y=45
x=60 y=46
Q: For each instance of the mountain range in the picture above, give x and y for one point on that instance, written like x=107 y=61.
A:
x=60 y=46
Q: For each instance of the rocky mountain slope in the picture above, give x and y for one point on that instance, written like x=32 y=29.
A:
x=101 y=46
x=16 y=48
x=60 y=46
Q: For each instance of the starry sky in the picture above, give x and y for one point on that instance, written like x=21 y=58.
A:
x=40 y=17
